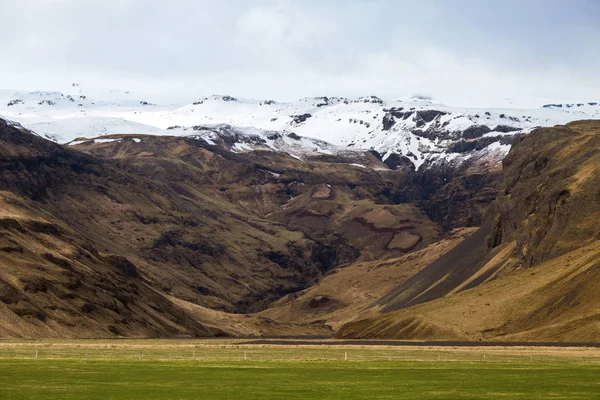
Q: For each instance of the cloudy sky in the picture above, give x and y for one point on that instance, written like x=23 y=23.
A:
x=459 y=52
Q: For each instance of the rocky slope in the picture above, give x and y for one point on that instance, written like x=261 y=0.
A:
x=54 y=281
x=347 y=294
x=548 y=203
x=531 y=271
x=452 y=194
x=201 y=231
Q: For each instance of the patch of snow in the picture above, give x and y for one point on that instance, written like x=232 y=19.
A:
x=106 y=140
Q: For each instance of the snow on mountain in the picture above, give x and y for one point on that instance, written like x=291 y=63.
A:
x=414 y=128
x=243 y=139
x=62 y=117
x=89 y=126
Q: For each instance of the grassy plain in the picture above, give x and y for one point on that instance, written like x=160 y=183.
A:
x=227 y=369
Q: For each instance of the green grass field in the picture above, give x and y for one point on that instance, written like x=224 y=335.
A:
x=103 y=371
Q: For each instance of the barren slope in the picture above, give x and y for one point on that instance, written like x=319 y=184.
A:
x=346 y=294
x=163 y=236
x=531 y=272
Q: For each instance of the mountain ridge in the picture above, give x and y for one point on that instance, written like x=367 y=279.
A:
x=418 y=130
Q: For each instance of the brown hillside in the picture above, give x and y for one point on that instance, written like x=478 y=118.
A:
x=346 y=294
x=163 y=236
x=530 y=273
x=170 y=236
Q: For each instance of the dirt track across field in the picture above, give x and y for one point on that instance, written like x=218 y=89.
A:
x=413 y=344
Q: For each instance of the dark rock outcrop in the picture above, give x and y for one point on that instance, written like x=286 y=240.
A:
x=548 y=202
x=429 y=115
x=298 y=119
x=388 y=121
x=475 y=131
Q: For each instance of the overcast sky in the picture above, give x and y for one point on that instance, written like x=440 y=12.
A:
x=460 y=52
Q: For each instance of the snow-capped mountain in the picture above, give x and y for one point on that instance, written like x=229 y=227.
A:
x=418 y=129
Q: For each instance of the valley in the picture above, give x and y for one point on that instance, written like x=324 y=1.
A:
x=274 y=199
x=218 y=230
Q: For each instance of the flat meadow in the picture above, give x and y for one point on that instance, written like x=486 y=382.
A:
x=237 y=369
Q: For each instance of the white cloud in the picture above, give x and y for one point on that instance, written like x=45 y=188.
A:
x=463 y=52
x=265 y=24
